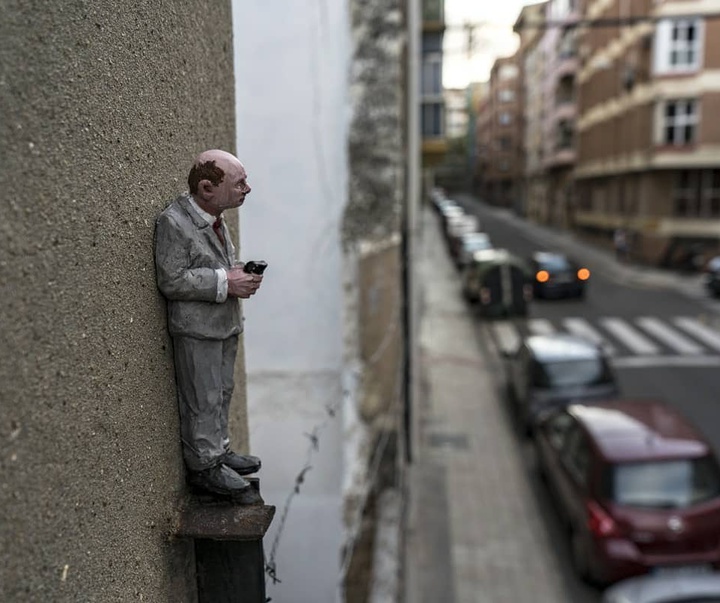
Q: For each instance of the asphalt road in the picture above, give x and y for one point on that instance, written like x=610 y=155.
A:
x=662 y=339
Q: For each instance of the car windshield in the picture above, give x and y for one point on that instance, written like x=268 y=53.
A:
x=556 y=263
x=665 y=484
x=477 y=243
x=568 y=373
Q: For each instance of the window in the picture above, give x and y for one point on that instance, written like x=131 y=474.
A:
x=503 y=165
x=506 y=96
x=433 y=10
x=567 y=45
x=505 y=119
x=508 y=72
x=431 y=79
x=665 y=484
x=679 y=121
x=697 y=194
x=565 y=135
x=678 y=45
x=432 y=120
x=504 y=143
x=571 y=373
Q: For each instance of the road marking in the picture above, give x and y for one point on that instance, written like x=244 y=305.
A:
x=506 y=336
x=700 y=331
x=668 y=361
x=669 y=336
x=540 y=326
x=629 y=337
x=579 y=326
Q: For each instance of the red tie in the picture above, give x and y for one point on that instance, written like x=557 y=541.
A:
x=218 y=228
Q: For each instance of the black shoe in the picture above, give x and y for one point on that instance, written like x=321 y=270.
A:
x=242 y=464
x=219 y=480
x=248 y=496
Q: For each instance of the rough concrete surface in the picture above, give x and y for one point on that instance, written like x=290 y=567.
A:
x=103 y=107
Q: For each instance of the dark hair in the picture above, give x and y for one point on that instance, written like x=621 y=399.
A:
x=204 y=171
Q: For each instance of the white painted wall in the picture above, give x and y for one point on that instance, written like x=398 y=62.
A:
x=291 y=68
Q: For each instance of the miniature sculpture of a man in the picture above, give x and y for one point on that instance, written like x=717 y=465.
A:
x=198 y=275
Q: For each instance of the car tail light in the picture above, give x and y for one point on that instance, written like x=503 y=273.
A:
x=600 y=523
x=583 y=274
x=542 y=276
x=485 y=296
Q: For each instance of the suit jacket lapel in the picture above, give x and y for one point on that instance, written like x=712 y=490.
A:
x=205 y=230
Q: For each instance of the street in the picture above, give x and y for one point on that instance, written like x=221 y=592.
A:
x=660 y=330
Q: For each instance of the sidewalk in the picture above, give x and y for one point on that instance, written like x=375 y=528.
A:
x=474 y=532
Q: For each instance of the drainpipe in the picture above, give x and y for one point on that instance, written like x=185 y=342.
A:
x=410 y=226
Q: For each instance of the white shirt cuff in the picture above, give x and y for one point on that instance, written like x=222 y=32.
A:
x=222 y=285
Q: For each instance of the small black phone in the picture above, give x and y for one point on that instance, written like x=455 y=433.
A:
x=255 y=266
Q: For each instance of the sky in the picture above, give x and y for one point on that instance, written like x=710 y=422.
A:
x=494 y=38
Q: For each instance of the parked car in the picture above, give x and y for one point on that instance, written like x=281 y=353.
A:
x=498 y=282
x=681 y=587
x=449 y=213
x=712 y=276
x=637 y=485
x=555 y=275
x=468 y=244
x=458 y=228
x=551 y=371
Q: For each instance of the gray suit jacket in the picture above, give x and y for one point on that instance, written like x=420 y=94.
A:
x=187 y=253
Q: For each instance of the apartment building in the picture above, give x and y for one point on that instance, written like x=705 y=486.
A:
x=499 y=131
x=531 y=183
x=649 y=139
x=456 y=112
x=432 y=110
x=558 y=51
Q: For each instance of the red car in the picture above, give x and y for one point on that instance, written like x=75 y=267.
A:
x=638 y=486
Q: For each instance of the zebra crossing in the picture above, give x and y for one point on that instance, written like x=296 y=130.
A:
x=641 y=341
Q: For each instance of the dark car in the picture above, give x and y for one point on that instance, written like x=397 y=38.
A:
x=712 y=276
x=637 y=486
x=498 y=282
x=555 y=275
x=548 y=371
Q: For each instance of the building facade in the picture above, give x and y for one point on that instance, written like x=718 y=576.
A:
x=649 y=149
x=531 y=181
x=559 y=50
x=500 y=152
x=432 y=102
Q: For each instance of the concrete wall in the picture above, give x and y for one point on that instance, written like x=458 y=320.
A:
x=103 y=106
x=319 y=128
x=292 y=111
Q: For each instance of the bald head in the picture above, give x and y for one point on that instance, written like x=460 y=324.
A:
x=216 y=155
x=218 y=181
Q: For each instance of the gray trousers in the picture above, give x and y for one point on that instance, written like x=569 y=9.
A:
x=204 y=375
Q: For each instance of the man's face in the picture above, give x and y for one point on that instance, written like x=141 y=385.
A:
x=231 y=192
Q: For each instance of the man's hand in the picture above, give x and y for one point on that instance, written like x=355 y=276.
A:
x=241 y=284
